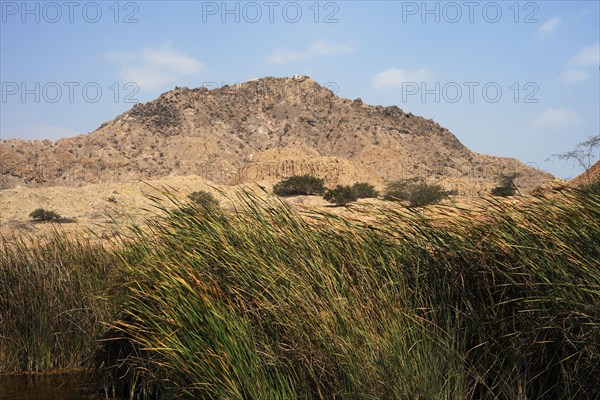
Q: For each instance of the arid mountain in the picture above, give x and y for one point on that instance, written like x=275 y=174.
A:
x=260 y=131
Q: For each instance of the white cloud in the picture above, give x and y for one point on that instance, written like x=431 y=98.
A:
x=556 y=118
x=548 y=27
x=393 y=77
x=314 y=50
x=146 y=78
x=587 y=57
x=153 y=68
x=572 y=76
x=167 y=58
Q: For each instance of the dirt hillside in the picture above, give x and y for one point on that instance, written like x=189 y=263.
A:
x=589 y=176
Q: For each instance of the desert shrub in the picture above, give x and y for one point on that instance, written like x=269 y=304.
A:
x=416 y=192
x=503 y=191
x=300 y=185
x=507 y=186
x=203 y=198
x=44 y=215
x=363 y=190
x=341 y=195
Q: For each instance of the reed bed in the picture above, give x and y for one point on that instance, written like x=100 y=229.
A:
x=497 y=302
x=54 y=293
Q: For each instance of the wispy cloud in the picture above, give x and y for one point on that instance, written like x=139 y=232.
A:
x=548 y=27
x=553 y=118
x=586 y=57
x=394 y=77
x=573 y=76
x=314 y=50
x=153 y=68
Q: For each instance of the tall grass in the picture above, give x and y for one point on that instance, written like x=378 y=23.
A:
x=52 y=299
x=502 y=302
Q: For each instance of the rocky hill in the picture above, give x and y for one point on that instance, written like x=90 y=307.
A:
x=259 y=131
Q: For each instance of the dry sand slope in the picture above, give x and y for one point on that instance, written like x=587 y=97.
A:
x=97 y=206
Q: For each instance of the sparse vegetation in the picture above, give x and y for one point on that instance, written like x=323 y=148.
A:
x=507 y=186
x=416 y=192
x=43 y=215
x=341 y=195
x=300 y=185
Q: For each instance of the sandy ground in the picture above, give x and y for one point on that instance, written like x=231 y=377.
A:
x=92 y=206
x=97 y=207
x=107 y=208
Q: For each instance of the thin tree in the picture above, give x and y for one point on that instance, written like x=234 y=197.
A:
x=584 y=155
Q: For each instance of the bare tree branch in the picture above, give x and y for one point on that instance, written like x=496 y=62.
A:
x=584 y=155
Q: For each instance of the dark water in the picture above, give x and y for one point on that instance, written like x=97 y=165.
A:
x=49 y=387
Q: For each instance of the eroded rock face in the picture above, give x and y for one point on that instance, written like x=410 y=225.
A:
x=260 y=130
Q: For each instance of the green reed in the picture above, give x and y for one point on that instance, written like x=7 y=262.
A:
x=498 y=301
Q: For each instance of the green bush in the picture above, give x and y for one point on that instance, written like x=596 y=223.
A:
x=507 y=186
x=203 y=198
x=341 y=195
x=363 y=190
x=44 y=215
x=416 y=192
x=504 y=191
x=300 y=185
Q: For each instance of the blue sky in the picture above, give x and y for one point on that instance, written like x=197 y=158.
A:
x=508 y=78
